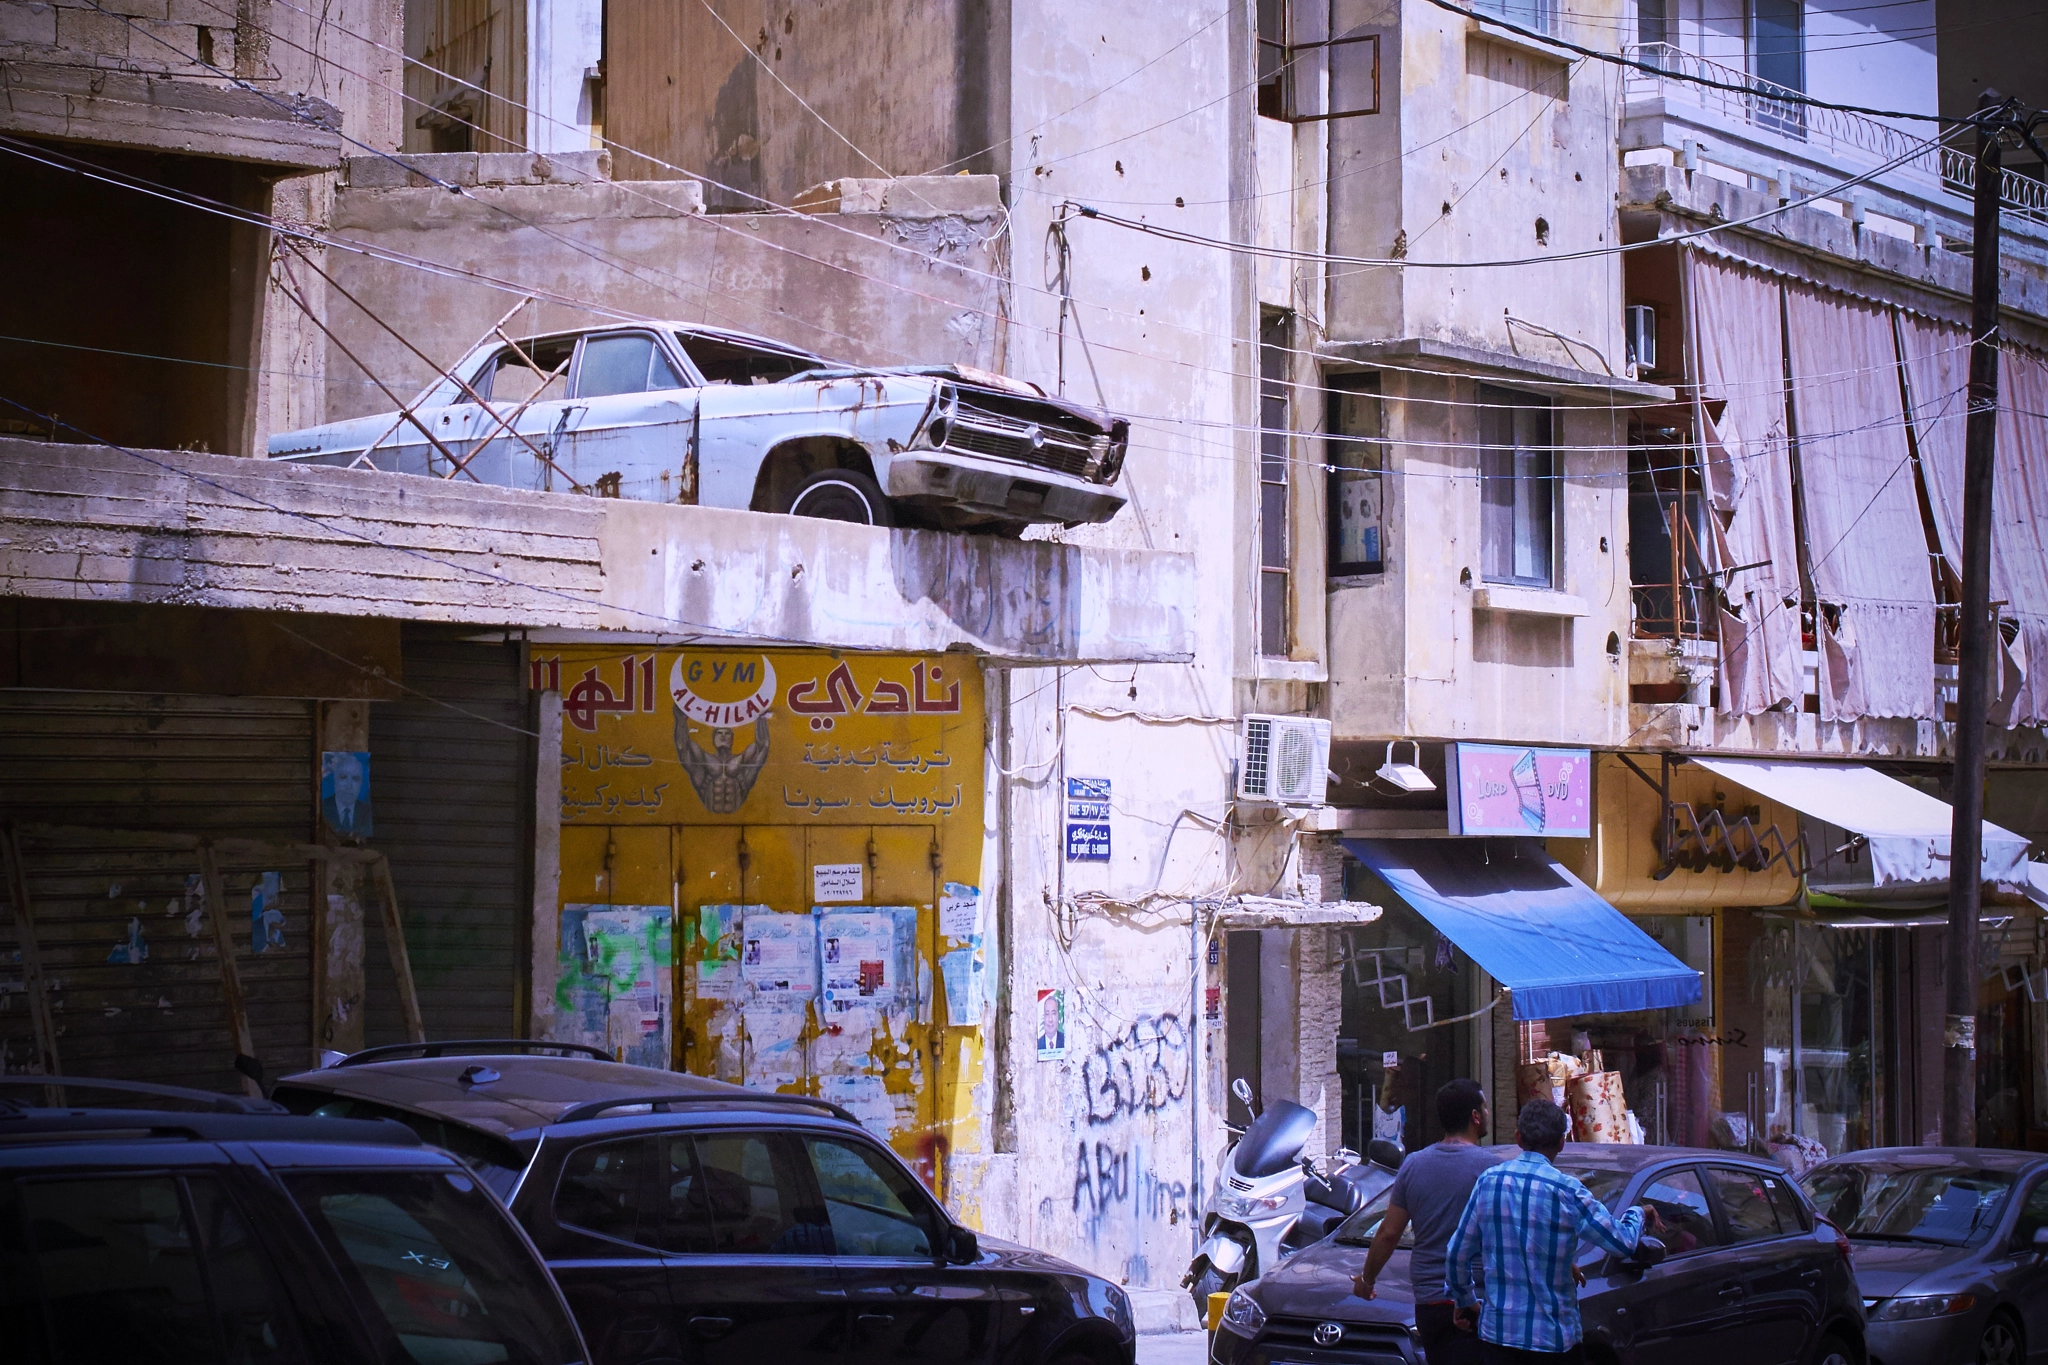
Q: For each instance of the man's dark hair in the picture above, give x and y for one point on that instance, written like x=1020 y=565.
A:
x=1456 y=1102
x=1540 y=1126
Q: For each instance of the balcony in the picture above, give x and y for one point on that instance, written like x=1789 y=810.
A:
x=1757 y=134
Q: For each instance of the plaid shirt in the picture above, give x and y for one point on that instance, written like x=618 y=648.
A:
x=1522 y=1227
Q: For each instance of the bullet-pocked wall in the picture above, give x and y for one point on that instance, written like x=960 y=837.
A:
x=771 y=873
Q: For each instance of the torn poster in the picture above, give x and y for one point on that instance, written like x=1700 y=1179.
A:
x=867 y=1098
x=775 y=1052
x=718 y=949
x=615 y=989
x=266 y=914
x=858 y=948
x=966 y=979
x=960 y=912
x=135 y=951
x=780 y=954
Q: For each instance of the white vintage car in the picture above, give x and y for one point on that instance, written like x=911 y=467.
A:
x=671 y=412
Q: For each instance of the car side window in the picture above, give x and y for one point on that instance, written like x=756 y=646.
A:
x=741 y=1194
x=1745 y=1203
x=1791 y=1212
x=603 y=1188
x=507 y=378
x=118 y=1263
x=1682 y=1205
x=874 y=1208
x=618 y=362
x=2033 y=1214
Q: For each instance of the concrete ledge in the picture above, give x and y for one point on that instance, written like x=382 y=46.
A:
x=1539 y=376
x=90 y=523
x=910 y=196
x=421 y=170
x=119 y=109
x=1527 y=601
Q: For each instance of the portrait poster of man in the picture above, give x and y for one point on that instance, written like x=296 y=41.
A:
x=345 y=793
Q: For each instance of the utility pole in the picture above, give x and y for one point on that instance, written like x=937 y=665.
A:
x=1975 y=661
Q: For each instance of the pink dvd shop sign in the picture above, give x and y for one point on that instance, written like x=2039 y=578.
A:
x=1513 y=790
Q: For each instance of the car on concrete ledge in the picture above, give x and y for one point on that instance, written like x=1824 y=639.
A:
x=1951 y=1250
x=1743 y=1272
x=688 y=1219
x=673 y=412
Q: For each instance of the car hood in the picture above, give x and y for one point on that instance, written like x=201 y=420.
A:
x=1006 y=1255
x=1315 y=1282
x=1887 y=1268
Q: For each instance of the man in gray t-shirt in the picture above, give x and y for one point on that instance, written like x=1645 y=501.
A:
x=1429 y=1194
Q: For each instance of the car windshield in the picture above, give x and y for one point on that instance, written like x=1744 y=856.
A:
x=1361 y=1227
x=1948 y=1205
x=496 y=1160
x=436 y=1268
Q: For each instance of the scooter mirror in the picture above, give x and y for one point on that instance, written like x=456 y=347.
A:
x=1384 y=1153
x=1243 y=1090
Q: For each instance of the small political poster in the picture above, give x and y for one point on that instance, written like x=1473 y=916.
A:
x=857 y=950
x=1052 y=1025
x=345 y=793
x=779 y=954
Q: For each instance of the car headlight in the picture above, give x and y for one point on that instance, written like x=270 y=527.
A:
x=1242 y=1316
x=1118 y=1304
x=1241 y=1206
x=1917 y=1306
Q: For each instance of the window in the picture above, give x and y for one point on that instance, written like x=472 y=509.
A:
x=1275 y=424
x=741 y=1193
x=431 y=1260
x=490 y=1157
x=603 y=1187
x=623 y=362
x=1745 y=1203
x=117 y=1262
x=507 y=378
x=1667 y=524
x=1292 y=66
x=875 y=1209
x=1777 y=45
x=1517 y=467
x=1652 y=24
x=1529 y=14
x=1355 y=451
x=2033 y=1215
x=1682 y=1204
x=729 y=362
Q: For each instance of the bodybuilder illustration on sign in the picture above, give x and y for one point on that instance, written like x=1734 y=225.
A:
x=722 y=778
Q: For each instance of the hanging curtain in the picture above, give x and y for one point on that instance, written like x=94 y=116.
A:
x=1937 y=358
x=1866 y=543
x=1739 y=361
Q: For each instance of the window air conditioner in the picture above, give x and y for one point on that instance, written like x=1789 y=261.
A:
x=1286 y=760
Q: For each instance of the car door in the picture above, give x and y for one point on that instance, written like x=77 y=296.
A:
x=1780 y=1271
x=527 y=388
x=632 y=418
x=602 y=1244
x=2027 y=1279
x=910 y=1305
x=1672 y=1312
x=752 y=1278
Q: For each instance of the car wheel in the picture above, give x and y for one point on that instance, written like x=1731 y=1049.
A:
x=841 y=495
x=1835 y=1351
x=2000 y=1344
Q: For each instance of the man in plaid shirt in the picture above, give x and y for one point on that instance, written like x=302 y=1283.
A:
x=1522 y=1229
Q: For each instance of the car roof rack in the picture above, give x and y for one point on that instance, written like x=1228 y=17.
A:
x=211 y=1101
x=739 y=1098
x=467 y=1046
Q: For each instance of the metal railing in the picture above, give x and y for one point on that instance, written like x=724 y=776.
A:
x=2021 y=194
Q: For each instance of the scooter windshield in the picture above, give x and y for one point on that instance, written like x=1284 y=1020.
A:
x=1274 y=1140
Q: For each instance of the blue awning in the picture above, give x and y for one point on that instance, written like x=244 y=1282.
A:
x=1538 y=930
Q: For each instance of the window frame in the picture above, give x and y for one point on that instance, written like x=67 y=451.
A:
x=653 y=335
x=1721 y=1211
x=650 y=1190
x=1693 y=1169
x=807 y=1192
x=1275 y=638
x=1514 y=402
x=937 y=1225
x=1375 y=447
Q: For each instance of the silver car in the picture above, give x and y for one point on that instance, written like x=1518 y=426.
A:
x=1951 y=1250
x=670 y=412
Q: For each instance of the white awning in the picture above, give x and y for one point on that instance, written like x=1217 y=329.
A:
x=1908 y=830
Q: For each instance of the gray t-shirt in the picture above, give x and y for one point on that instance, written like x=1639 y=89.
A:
x=1433 y=1186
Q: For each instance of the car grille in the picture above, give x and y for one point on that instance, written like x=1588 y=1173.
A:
x=1286 y=1336
x=975 y=432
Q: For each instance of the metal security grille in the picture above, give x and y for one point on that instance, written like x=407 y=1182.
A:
x=452 y=789
x=1258 y=756
x=128 y=953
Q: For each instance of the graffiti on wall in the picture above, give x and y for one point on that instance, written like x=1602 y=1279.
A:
x=1142 y=1070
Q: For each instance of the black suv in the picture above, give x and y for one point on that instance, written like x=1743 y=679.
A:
x=690 y=1220
x=212 y=1230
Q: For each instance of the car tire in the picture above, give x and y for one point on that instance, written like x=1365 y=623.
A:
x=1834 y=1350
x=2001 y=1343
x=841 y=495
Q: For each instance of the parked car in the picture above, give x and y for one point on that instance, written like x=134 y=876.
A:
x=670 y=412
x=203 y=1228
x=1748 y=1274
x=689 y=1219
x=1951 y=1250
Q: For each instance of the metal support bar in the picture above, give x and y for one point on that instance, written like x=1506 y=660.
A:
x=401 y=960
x=230 y=974
x=40 y=1018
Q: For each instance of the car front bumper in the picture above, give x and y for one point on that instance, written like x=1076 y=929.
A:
x=977 y=486
x=1929 y=1341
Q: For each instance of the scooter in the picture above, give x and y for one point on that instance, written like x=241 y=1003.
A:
x=1270 y=1200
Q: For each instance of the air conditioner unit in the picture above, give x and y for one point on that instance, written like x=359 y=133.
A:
x=1286 y=760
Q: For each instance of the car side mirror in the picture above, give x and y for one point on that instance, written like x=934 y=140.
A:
x=1649 y=1252
x=962 y=1246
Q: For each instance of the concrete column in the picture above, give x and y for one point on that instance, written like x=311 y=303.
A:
x=338 y=987
x=547 y=866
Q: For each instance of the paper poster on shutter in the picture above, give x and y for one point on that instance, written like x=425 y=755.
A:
x=616 y=987
x=960 y=912
x=719 y=932
x=780 y=956
x=861 y=959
